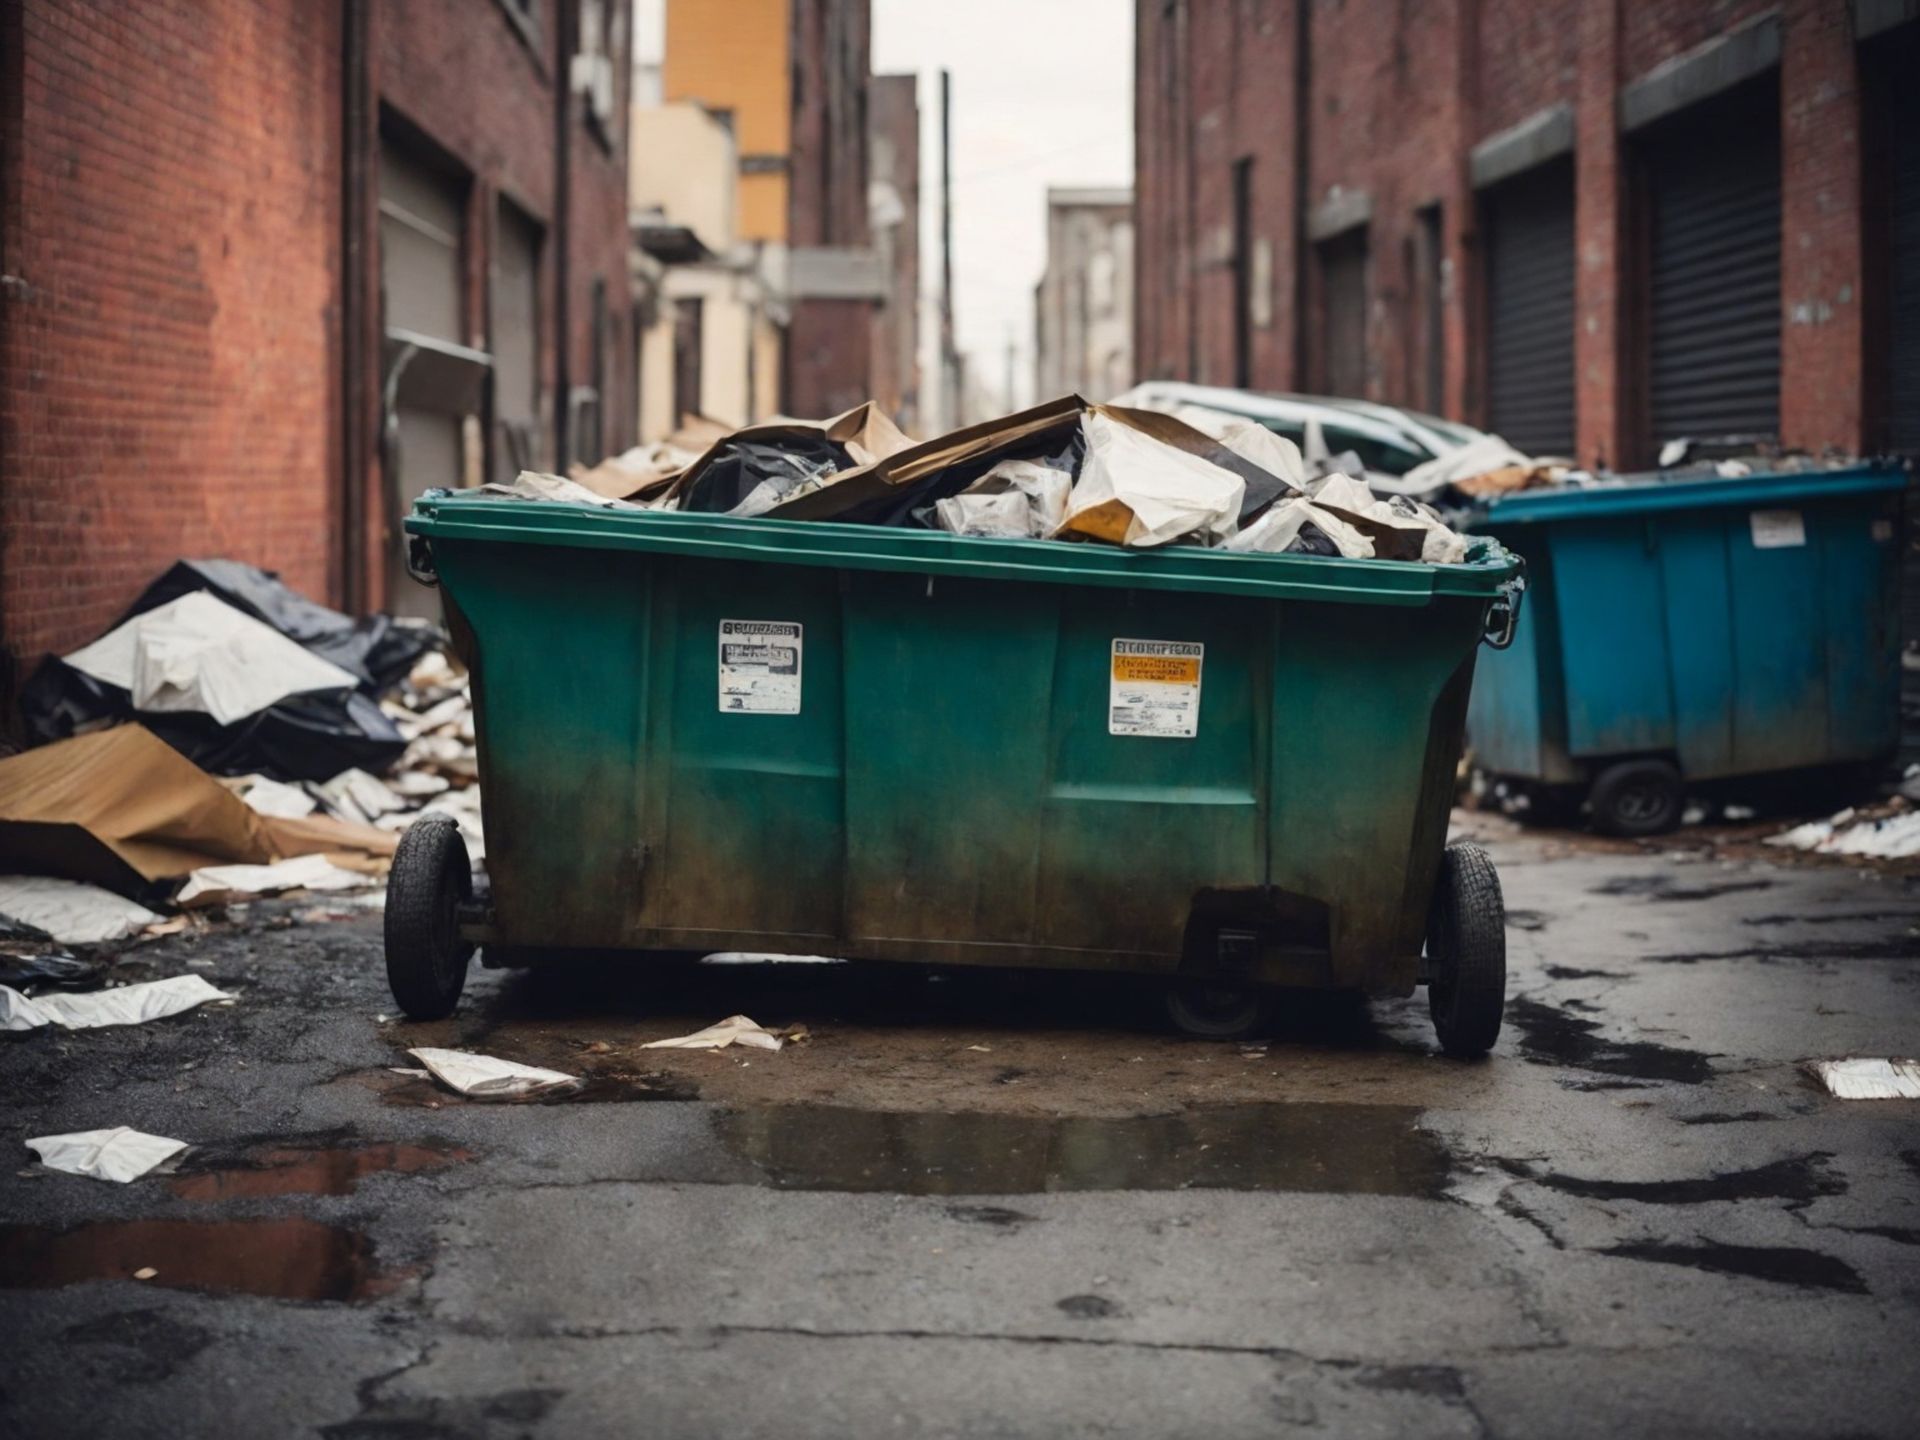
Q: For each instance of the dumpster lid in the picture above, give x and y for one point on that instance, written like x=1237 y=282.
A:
x=1647 y=494
x=473 y=516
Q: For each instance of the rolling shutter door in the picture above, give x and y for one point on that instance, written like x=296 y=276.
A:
x=1714 y=188
x=1529 y=226
x=1903 y=253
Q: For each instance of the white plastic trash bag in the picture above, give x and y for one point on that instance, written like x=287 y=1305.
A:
x=1046 y=491
x=119 y=1154
x=1275 y=454
x=1002 y=517
x=1134 y=490
x=1861 y=1079
x=128 y=1005
x=483 y=1077
x=1276 y=530
x=72 y=913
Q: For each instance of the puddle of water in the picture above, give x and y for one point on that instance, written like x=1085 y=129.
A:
x=1666 y=887
x=1553 y=1037
x=1784 y=1265
x=1904 y=948
x=1314 y=1147
x=312 y=1170
x=1802 y=1178
x=603 y=1089
x=290 y=1259
x=1574 y=972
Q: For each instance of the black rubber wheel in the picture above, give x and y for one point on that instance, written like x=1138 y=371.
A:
x=1637 y=797
x=1467 y=953
x=1217 y=1009
x=426 y=958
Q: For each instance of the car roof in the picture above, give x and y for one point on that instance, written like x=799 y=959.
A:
x=1382 y=422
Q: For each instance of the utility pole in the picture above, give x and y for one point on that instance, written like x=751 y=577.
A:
x=1009 y=402
x=949 y=370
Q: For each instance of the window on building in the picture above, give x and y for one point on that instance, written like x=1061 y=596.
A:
x=687 y=341
x=1342 y=367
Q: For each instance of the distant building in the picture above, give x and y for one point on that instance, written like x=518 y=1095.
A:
x=711 y=336
x=1592 y=225
x=893 y=214
x=792 y=77
x=271 y=268
x=1083 y=306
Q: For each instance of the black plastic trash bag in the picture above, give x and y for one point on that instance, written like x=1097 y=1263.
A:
x=739 y=468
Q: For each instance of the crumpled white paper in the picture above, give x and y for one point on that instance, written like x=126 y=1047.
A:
x=483 y=1077
x=303 y=872
x=1015 y=498
x=1159 y=493
x=72 y=913
x=1855 y=1079
x=200 y=654
x=118 y=1154
x=128 y=1005
x=734 y=1030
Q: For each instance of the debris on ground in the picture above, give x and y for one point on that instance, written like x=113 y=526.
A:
x=1882 y=832
x=220 y=884
x=127 y=1005
x=1858 y=1079
x=47 y=965
x=71 y=912
x=120 y=1154
x=485 y=1077
x=734 y=1030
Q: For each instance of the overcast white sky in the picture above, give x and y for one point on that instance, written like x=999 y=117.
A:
x=1042 y=95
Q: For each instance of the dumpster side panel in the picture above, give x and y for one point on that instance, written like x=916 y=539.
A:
x=1504 y=716
x=559 y=646
x=1613 y=639
x=1700 y=640
x=711 y=768
x=1862 y=568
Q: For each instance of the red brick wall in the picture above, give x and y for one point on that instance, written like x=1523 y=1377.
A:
x=1399 y=96
x=168 y=349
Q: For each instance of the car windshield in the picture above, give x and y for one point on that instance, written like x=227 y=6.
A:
x=1386 y=456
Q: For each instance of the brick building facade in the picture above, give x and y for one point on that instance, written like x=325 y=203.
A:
x=1594 y=224
x=269 y=268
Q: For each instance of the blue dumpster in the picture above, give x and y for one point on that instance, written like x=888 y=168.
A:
x=1694 y=631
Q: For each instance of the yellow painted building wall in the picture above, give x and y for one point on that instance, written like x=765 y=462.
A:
x=733 y=55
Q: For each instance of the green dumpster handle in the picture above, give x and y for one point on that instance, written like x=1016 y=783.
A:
x=1503 y=614
x=485 y=518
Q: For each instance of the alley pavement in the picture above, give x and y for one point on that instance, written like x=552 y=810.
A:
x=981 y=1205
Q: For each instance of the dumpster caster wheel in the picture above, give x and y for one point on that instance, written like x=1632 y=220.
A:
x=1467 y=953
x=1637 y=797
x=426 y=958
x=1217 y=1009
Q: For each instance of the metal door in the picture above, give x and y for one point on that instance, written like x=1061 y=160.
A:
x=1529 y=240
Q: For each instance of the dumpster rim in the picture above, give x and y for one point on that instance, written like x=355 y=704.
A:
x=1646 y=495
x=832 y=544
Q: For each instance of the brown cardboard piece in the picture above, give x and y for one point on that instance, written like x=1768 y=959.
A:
x=123 y=809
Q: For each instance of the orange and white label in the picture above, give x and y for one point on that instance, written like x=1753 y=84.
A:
x=1155 y=689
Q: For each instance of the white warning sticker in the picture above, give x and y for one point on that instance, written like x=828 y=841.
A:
x=1156 y=688
x=760 y=667
x=1777 y=529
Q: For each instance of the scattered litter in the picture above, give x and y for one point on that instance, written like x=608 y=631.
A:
x=734 y=1030
x=1869 y=1079
x=127 y=1005
x=271 y=797
x=1892 y=835
x=216 y=884
x=52 y=967
x=70 y=912
x=118 y=1154
x=482 y=1077
x=145 y=1272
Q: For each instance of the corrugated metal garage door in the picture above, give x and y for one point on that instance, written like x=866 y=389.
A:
x=1714 y=191
x=1529 y=237
x=1903 y=203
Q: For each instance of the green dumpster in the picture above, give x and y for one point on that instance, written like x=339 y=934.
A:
x=702 y=733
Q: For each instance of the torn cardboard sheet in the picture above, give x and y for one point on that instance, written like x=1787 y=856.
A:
x=71 y=912
x=201 y=655
x=482 y=1077
x=734 y=1030
x=220 y=884
x=128 y=1005
x=1853 y=1079
x=1139 y=492
x=120 y=1154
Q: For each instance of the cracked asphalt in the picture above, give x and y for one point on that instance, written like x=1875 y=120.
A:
x=977 y=1205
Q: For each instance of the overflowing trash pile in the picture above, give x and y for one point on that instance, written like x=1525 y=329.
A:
x=1889 y=831
x=1066 y=471
x=227 y=739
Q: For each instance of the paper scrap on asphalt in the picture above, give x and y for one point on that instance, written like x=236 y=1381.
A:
x=216 y=883
x=1858 y=1079
x=71 y=912
x=128 y=1005
x=734 y=1030
x=119 y=1154
x=483 y=1077
x=1884 y=837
